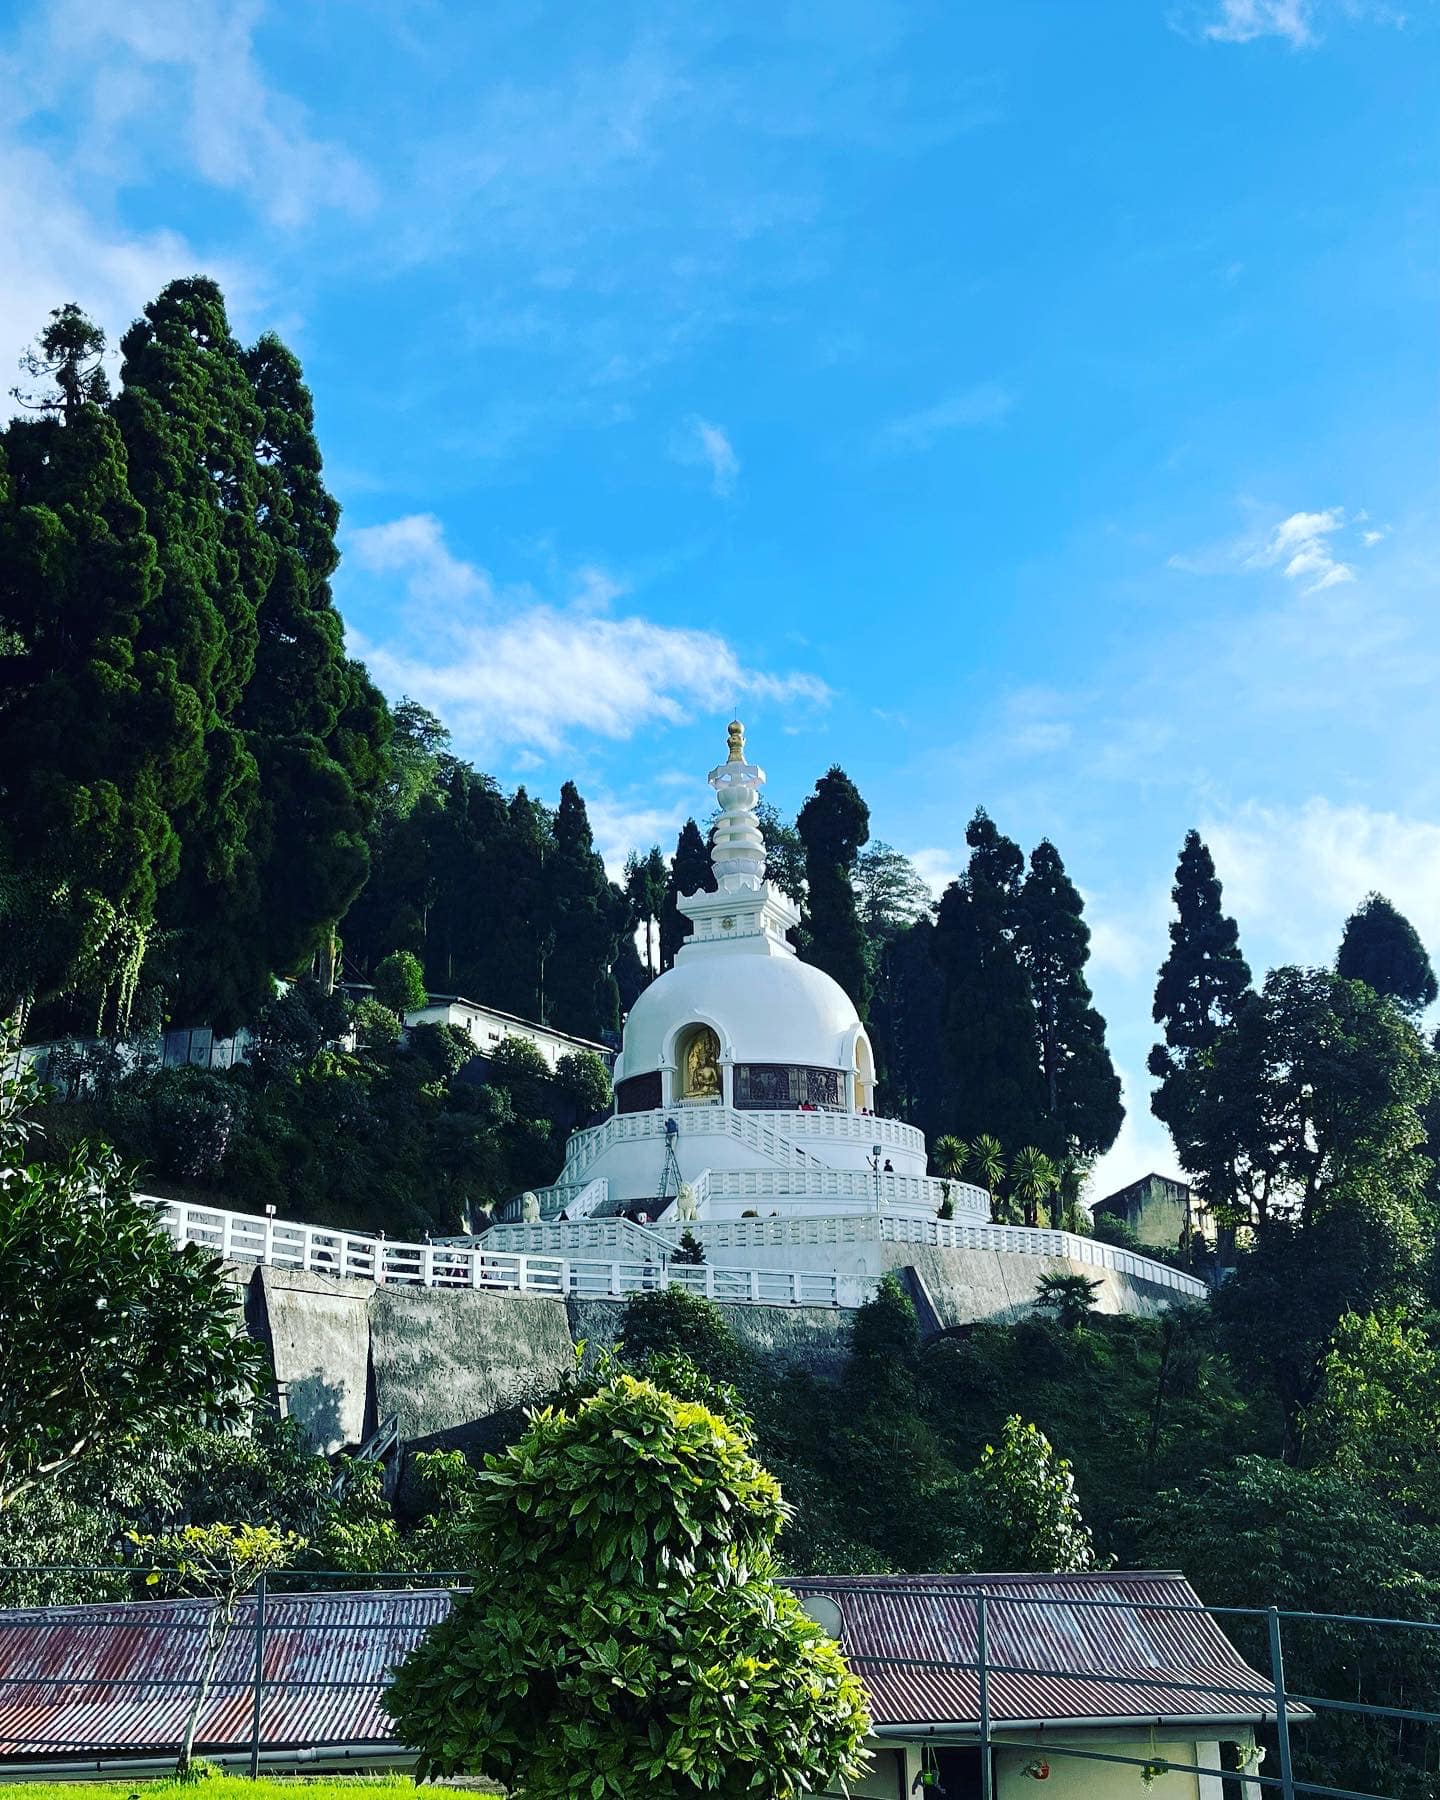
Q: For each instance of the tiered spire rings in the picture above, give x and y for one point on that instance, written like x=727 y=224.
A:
x=737 y=853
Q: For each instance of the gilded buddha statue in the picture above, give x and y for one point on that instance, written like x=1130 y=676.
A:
x=702 y=1066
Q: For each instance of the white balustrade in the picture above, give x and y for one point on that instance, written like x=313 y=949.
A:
x=772 y=1134
x=319 y=1250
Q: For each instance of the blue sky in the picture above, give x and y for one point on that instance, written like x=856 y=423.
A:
x=1028 y=403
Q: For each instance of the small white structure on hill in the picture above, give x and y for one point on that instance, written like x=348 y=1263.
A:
x=744 y=1117
x=747 y=1073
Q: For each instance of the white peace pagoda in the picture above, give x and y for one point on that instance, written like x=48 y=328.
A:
x=746 y=1083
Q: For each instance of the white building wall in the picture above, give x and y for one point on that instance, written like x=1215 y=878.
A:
x=489 y=1029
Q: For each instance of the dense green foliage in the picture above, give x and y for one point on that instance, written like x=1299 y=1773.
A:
x=1201 y=985
x=392 y=1137
x=627 y=1632
x=1383 y=949
x=107 y=1333
x=834 y=826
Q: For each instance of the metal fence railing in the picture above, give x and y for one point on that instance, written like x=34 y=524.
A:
x=108 y=1682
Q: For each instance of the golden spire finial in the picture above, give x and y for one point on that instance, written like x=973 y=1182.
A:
x=737 y=741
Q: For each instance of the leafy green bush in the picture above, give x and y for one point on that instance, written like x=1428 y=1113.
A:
x=400 y=983
x=629 y=1637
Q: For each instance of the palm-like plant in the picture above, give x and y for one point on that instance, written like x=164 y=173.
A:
x=1033 y=1177
x=1069 y=1297
x=987 y=1159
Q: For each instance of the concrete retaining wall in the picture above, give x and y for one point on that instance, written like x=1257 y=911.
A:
x=347 y=1354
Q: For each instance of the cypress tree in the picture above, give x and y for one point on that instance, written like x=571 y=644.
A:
x=1383 y=949
x=1202 y=984
x=906 y=1016
x=317 y=726
x=834 y=825
x=988 y=1039
x=524 y=933
x=188 y=415
x=93 y=722
x=589 y=915
x=690 y=873
x=1082 y=1090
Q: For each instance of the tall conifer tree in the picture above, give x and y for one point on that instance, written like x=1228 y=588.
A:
x=992 y=1071
x=95 y=735
x=1202 y=984
x=589 y=914
x=690 y=873
x=1383 y=949
x=1082 y=1090
x=834 y=825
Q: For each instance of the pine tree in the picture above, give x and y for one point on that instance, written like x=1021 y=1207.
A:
x=646 y=878
x=316 y=725
x=589 y=915
x=834 y=825
x=94 y=731
x=1383 y=949
x=987 y=1034
x=1202 y=984
x=188 y=415
x=1082 y=1090
x=690 y=873
x=521 y=946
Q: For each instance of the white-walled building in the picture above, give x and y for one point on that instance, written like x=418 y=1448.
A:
x=489 y=1028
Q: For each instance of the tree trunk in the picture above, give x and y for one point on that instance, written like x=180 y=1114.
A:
x=216 y=1635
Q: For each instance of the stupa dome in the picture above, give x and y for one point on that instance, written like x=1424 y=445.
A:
x=740 y=1020
x=763 y=1009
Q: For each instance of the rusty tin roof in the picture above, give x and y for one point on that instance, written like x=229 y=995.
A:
x=1059 y=1648
x=111 y=1680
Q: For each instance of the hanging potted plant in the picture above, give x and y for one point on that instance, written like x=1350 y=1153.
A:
x=1037 y=1769
x=1153 y=1770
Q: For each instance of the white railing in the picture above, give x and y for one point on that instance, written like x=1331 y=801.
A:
x=313 y=1248
x=605 y=1238
x=876 y=1190
x=773 y=1134
x=838 y=1230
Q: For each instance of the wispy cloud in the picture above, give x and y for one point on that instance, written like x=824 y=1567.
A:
x=708 y=445
x=122 y=68
x=1242 y=21
x=985 y=404
x=1299 y=546
x=1295 y=22
x=1302 y=546
x=506 y=667
x=1294 y=874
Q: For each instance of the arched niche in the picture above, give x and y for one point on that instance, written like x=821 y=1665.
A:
x=864 y=1074
x=698 y=1074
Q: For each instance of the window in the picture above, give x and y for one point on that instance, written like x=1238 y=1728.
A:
x=786 y=1087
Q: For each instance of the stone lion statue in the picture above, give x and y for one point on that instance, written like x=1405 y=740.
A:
x=687 y=1207
x=530 y=1207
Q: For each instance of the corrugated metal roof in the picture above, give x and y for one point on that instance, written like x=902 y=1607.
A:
x=1052 y=1653
x=92 y=1680
x=51 y=1660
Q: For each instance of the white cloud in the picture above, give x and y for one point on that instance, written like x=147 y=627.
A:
x=708 y=445
x=1299 y=547
x=938 y=868
x=986 y=404
x=620 y=827
x=509 y=668
x=1242 y=21
x=1294 y=875
x=146 y=63
x=1295 y=22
